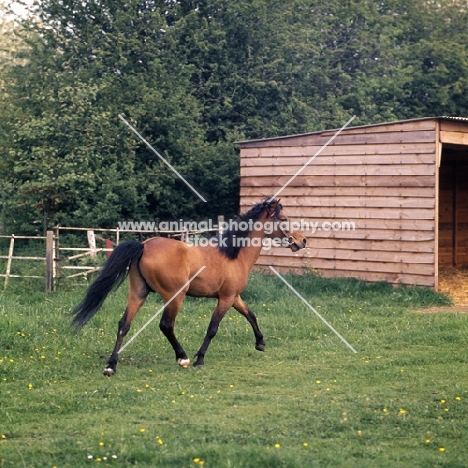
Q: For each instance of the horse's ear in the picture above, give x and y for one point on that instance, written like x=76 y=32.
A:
x=275 y=201
x=270 y=200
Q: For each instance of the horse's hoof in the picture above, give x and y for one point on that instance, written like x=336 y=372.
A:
x=199 y=363
x=183 y=362
x=109 y=371
x=260 y=347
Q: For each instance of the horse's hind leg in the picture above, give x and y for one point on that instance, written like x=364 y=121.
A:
x=137 y=294
x=166 y=325
x=242 y=308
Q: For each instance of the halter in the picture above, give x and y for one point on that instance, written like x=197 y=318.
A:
x=274 y=214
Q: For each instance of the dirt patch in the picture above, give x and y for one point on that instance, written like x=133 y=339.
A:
x=454 y=283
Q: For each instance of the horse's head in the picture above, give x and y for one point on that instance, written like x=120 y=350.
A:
x=282 y=226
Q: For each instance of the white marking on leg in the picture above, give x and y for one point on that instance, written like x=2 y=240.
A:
x=183 y=362
x=109 y=371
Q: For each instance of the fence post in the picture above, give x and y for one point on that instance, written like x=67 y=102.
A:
x=10 y=257
x=56 y=258
x=49 y=261
x=92 y=243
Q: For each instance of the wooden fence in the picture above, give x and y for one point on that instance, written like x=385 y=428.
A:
x=57 y=258
x=48 y=259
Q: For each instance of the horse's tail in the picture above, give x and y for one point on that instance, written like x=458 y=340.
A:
x=113 y=273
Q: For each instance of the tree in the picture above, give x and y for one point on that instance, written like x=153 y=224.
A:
x=436 y=55
x=73 y=161
x=193 y=77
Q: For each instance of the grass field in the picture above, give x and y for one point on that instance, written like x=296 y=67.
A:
x=308 y=401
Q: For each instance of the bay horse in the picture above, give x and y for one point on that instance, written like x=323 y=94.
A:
x=166 y=266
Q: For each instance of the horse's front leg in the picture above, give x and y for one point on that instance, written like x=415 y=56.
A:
x=218 y=314
x=242 y=308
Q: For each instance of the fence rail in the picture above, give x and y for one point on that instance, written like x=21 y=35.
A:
x=56 y=263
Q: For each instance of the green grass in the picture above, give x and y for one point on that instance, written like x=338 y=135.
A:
x=406 y=385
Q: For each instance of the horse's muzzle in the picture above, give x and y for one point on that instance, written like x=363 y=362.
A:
x=295 y=246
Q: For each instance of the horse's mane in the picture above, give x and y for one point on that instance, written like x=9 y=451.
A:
x=227 y=246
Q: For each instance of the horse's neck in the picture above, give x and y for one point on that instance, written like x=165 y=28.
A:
x=250 y=253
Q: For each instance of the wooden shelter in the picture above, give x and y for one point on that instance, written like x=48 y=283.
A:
x=404 y=185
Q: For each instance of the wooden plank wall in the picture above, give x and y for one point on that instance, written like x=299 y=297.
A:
x=381 y=177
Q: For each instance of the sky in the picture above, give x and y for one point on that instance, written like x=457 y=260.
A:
x=17 y=8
